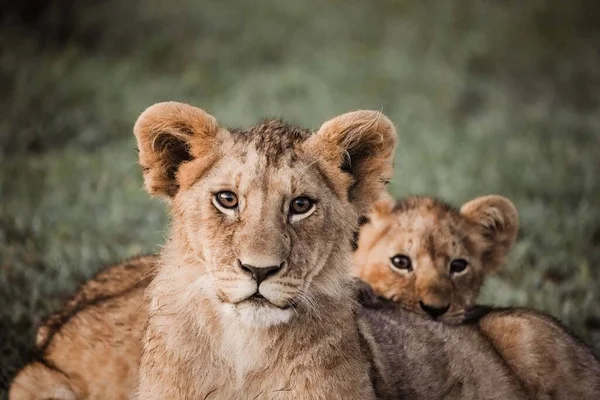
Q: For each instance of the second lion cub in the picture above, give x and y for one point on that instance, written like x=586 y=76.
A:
x=432 y=258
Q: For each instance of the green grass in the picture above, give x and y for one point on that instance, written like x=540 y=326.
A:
x=488 y=97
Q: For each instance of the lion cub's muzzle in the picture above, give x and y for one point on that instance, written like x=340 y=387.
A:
x=262 y=274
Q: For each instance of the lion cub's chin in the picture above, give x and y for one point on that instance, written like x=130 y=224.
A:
x=257 y=315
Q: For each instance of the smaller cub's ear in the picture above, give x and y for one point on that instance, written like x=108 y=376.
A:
x=499 y=220
x=361 y=145
x=168 y=135
x=377 y=217
x=382 y=208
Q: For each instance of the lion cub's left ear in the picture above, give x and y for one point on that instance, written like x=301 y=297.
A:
x=382 y=209
x=499 y=220
x=360 y=145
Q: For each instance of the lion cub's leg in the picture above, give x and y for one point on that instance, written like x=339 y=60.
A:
x=551 y=362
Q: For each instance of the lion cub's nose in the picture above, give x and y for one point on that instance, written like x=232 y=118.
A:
x=434 y=312
x=261 y=273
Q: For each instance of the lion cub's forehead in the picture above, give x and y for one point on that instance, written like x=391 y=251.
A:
x=266 y=158
x=429 y=224
x=272 y=142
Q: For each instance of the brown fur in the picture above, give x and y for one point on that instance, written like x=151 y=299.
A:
x=552 y=363
x=207 y=336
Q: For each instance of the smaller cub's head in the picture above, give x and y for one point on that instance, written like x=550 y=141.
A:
x=263 y=216
x=431 y=257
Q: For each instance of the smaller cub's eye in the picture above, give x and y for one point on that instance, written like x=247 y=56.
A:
x=301 y=205
x=402 y=262
x=227 y=199
x=457 y=266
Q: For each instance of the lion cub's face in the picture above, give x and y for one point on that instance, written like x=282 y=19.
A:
x=432 y=257
x=261 y=226
x=265 y=214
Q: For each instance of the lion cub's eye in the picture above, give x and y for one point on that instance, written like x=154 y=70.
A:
x=301 y=205
x=401 y=262
x=457 y=266
x=300 y=208
x=226 y=199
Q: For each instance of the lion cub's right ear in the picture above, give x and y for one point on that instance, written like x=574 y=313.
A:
x=499 y=221
x=169 y=135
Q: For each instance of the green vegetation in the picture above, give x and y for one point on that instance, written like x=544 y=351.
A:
x=488 y=96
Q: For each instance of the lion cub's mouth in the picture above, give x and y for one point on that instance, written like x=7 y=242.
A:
x=258 y=300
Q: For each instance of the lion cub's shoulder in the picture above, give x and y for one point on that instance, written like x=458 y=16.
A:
x=88 y=331
x=110 y=282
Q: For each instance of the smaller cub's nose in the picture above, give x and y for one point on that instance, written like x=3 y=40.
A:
x=434 y=312
x=261 y=273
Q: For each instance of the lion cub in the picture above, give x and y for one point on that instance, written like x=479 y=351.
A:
x=252 y=296
x=432 y=258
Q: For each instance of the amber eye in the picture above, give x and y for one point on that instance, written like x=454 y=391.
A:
x=457 y=266
x=402 y=262
x=301 y=205
x=226 y=199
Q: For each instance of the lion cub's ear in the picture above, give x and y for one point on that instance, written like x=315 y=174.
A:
x=383 y=208
x=360 y=144
x=499 y=220
x=168 y=135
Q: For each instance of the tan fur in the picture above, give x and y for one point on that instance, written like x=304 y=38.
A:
x=409 y=357
x=551 y=362
x=208 y=336
x=98 y=329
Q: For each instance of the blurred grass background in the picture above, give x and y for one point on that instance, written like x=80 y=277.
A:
x=489 y=97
